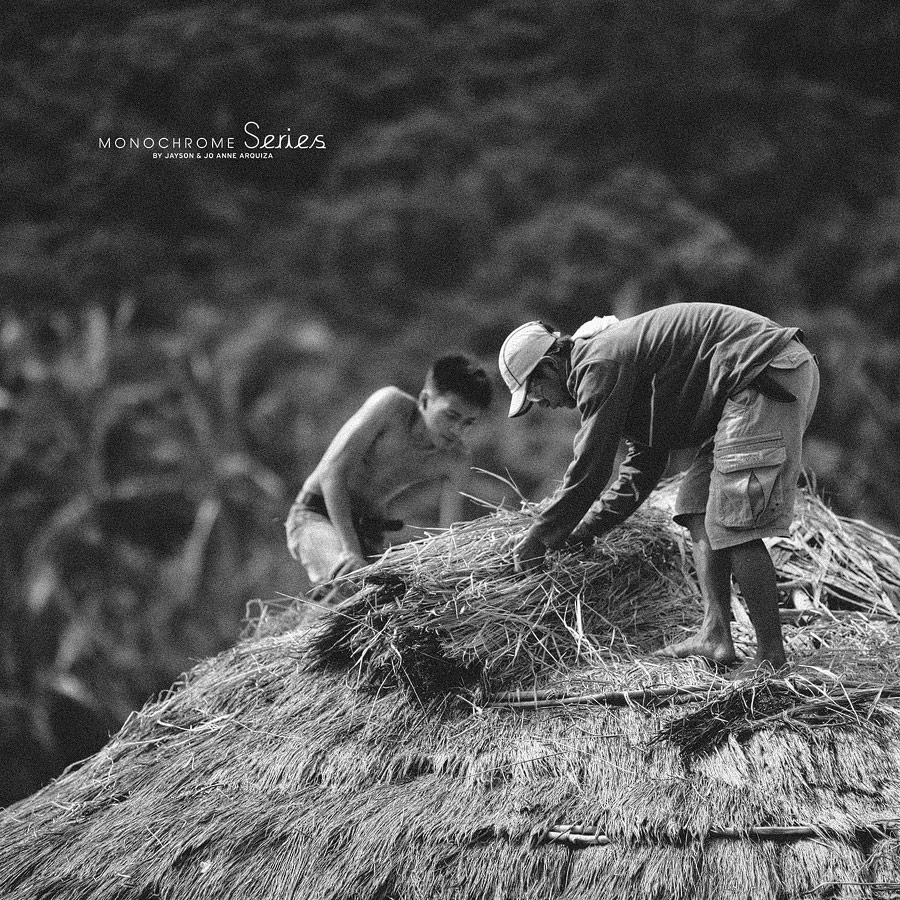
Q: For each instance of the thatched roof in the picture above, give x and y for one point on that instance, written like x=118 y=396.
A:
x=476 y=734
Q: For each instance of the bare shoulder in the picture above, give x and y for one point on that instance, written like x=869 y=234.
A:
x=387 y=404
x=368 y=427
x=391 y=397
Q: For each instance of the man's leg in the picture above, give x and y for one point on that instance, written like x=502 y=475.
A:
x=758 y=448
x=713 y=640
x=755 y=573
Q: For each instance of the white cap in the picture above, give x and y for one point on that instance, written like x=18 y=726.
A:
x=522 y=350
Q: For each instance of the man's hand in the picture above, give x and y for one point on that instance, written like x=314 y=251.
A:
x=528 y=551
x=584 y=534
x=349 y=562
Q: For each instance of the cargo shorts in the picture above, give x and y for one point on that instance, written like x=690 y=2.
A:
x=744 y=479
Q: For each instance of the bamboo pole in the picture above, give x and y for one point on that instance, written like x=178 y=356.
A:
x=590 y=836
x=541 y=699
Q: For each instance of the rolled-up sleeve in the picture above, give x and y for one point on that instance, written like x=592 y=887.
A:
x=603 y=392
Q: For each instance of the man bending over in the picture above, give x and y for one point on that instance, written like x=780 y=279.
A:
x=731 y=382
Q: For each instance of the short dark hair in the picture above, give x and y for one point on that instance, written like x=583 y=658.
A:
x=460 y=375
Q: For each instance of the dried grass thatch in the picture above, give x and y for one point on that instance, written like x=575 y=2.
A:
x=568 y=764
x=450 y=612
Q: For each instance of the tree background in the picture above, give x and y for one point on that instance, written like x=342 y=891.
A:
x=181 y=338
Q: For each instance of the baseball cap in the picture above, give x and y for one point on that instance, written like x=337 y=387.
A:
x=522 y=350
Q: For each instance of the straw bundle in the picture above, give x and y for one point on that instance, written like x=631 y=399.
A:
x=450 y=612
x=851 y=646
x=768 y=703
x=840 y=562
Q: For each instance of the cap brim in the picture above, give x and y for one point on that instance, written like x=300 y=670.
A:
x=519 y=404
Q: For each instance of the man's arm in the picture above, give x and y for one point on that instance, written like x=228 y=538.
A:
x=639 y=473
x=345 y=452
x=604 y=393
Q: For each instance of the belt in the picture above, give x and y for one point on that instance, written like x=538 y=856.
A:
x=372 y=525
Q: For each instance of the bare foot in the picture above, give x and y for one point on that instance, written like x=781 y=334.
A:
x=756 y=668
x=719 y=652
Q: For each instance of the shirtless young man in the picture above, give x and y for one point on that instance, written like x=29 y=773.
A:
x=392 y=443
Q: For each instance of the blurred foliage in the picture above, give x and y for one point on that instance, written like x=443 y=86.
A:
x=180 y=340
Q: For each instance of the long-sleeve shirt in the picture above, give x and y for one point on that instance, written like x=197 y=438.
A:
x=660 y=380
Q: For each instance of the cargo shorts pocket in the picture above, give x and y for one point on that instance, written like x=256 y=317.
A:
x=747 y=484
